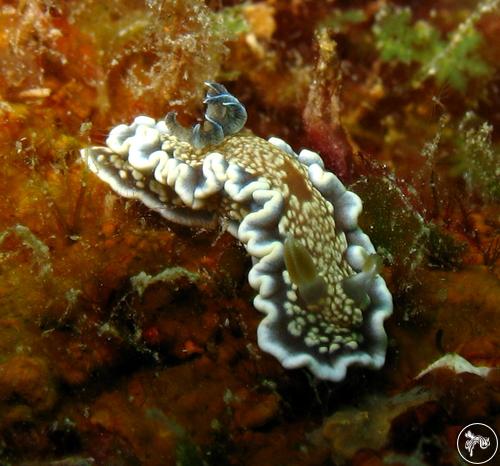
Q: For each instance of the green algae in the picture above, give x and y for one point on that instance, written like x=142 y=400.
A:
x=404 y=238
x=455 y=60
x=476 y=159
x=232 y=21
x=41 y=253
x=340 y=20
x=143 y=280
x=398 y=39
x=393 y=224
x=443 y=250
x=187 y=453
x=149 y=49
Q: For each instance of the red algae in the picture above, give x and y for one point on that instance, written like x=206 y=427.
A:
x=125 y=339
x=322 y=113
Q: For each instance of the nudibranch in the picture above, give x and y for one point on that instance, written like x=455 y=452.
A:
x=315 y=272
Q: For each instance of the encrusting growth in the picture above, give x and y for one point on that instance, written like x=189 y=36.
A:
x=314 y=270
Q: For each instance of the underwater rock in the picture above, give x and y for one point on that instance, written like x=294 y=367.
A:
x=351 y=429
x=252 y=410
x=29 y=381
x=70 y=461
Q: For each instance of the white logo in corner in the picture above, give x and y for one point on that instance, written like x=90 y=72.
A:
x=477 y=443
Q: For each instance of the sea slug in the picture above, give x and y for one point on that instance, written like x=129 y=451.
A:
x=315 y=272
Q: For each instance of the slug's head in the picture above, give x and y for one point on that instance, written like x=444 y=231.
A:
x=224 y=109
x=224 y=116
